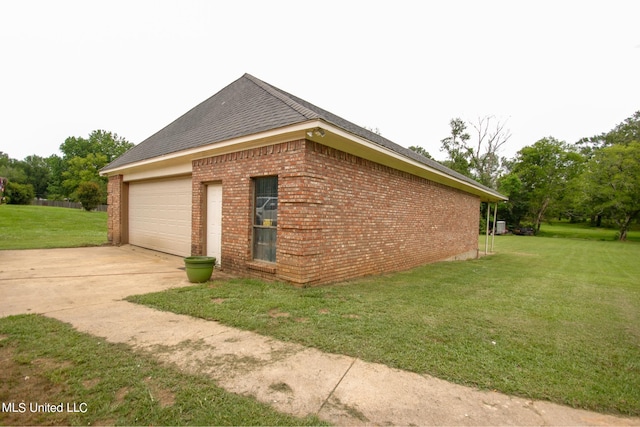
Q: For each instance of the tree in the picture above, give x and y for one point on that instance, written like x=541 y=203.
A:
x=624 y=133
x=517 y=207
x=613 y=183
x=421 y=151
x=11 y=169
x=57 y=166
x=37 y=173
x=83 y=169
x=491 y=136
x=19 y=194
x=544 y=169
x=480 y=161
x=100 y=142
x=89 y=194
x=83 y=158
x=457 y=149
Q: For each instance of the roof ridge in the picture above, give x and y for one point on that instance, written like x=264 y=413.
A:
x=307 y=113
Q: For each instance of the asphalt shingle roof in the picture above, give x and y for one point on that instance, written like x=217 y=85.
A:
x=248 y=106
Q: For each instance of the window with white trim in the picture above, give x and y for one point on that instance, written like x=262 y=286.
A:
x=265 y=218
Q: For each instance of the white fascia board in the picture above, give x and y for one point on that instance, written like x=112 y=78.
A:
x=270 y=137
x=335 y=137
x=404 y=163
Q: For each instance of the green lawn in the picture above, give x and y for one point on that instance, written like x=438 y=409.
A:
x=31 y=227
x=544 y=318
x=584 y=231
x=547 y=318
x=46 y=361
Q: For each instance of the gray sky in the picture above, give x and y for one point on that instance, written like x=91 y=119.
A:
x=566 y=69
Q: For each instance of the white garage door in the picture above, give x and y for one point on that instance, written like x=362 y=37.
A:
x=160 y=215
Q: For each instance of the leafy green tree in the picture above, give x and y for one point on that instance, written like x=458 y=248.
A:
x=420 y=150
x=544 y=169
x=19 y=194
x=516 y=208
x=4 y=159
x=624 y=133
x=89 y=194
x=613 y=183
x=37 y=173
x=83 y=169
x=83 y=158
x=99 y=142
x=11 y=169
x=57 y=166
x=478 y=160
x=457 y=149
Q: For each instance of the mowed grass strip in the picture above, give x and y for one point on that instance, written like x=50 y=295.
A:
x=585 y=231
x=553 y=319
x=46 y=361
x=36 y=227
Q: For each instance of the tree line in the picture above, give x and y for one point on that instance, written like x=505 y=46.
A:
x=595 y=179
x=73 y=176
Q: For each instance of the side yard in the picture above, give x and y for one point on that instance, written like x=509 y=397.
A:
x=554 y=319
x=31 y=227
x=94 y=382
x=545 y=318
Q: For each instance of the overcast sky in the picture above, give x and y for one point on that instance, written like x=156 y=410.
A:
x=566 y=69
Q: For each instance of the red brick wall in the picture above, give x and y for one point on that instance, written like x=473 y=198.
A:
x=373 y=219
x=114 y=209
x=236 y=171
x=339 y=216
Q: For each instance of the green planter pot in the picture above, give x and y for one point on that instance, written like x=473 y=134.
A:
x=199 y=268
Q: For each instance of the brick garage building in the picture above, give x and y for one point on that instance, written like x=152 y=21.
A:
x=275 y=187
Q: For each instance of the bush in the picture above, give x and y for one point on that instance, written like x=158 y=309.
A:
x=89 y=194
x=19 y=194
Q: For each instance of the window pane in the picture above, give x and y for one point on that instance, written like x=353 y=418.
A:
x=264 y=244
x=265 y=218
x=266 y=203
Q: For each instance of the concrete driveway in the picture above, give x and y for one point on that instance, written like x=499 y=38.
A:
x=85 y=287
x=47 y=280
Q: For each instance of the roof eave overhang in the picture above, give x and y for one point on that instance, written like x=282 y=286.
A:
x=245 y=142
x=332 y=136
x=338 y=138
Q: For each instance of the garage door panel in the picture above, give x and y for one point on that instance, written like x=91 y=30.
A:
x=160 y=215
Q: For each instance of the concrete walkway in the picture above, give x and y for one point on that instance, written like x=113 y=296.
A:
x=85 y=287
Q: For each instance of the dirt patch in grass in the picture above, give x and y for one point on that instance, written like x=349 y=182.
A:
x=351 y=316
x=89 y=384
x=218 y=300
x=49 y=364
x=162 y=395
x=275 y=312
x=25 y=385
x=121 y=394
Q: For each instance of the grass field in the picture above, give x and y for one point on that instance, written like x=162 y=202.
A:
x=547 y=318
x=544 y=318
x=584 y=231
x=31 y=227
x=46 y=361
